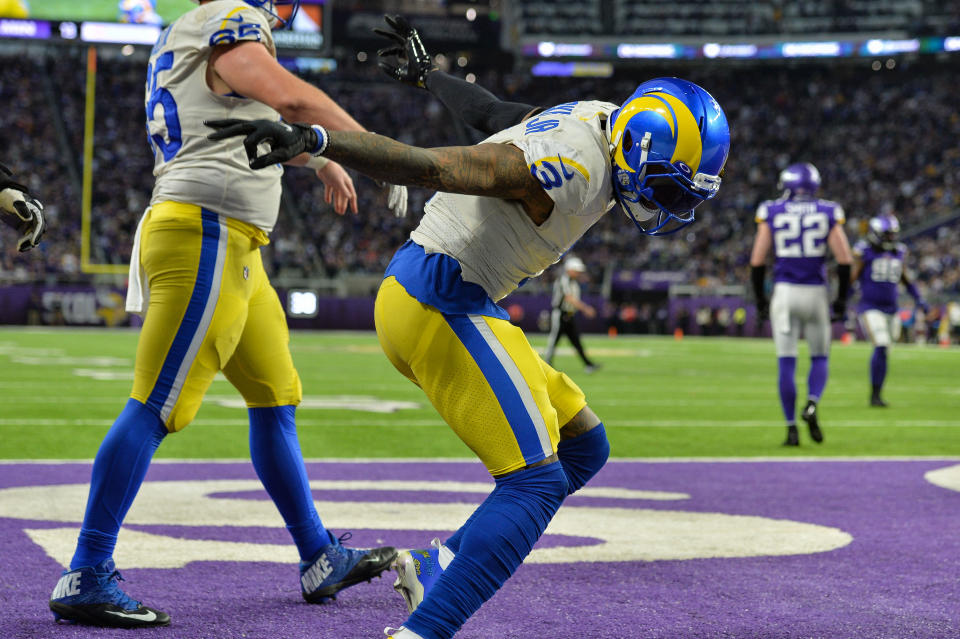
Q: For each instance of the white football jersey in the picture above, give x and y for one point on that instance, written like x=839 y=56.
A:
x=496 y=243
x=189 y=167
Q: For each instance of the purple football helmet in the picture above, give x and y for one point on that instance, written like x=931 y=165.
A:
x=882 y=232
x=800 y=178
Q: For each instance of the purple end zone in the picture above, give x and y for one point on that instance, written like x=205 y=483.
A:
x=898 y=578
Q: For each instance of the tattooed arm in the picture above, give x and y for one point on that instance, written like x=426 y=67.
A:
x=491 y=170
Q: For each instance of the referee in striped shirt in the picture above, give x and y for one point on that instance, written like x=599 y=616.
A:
x=565 y=305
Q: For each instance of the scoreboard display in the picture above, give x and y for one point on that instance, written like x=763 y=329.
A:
x=139 y=21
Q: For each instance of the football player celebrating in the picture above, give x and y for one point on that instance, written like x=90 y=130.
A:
x=505 y=210
x=800 y=226
x=209 y=304
x=879 y=268
x=21 y=211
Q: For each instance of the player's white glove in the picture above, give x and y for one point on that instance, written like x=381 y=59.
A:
x=397 y=199
x=21 y=211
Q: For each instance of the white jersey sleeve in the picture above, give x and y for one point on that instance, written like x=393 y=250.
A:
x=566 y=159
x=763 y=213
x=839 y=217
x=233 y=21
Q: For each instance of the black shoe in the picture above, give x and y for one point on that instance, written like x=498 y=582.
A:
x=591 y=368
x=809 y=415
x=876 y=401
x=336 y=567
x=91 y=596
x=793 y=438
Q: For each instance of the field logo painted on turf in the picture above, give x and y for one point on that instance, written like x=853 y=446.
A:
x=615 y=533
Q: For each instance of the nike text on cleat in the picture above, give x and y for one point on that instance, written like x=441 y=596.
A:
x=336 y=567
x=809 y=415
x=90 y=595
x=417 y=571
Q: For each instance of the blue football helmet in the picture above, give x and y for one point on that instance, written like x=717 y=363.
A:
x=669 y=142
x=139 y=12
x=882 y=232
x=800 y=179
x=269 y=7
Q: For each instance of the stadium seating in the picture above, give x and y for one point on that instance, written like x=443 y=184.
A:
x=858 y=126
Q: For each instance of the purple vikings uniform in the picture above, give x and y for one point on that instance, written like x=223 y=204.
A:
x=880 y=277
x=880 y=271
x=800 y=225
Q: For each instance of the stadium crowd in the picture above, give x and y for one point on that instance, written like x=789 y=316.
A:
x=859 y=126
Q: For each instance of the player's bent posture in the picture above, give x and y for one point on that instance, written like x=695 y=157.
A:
x=565 y=305
x=21 y=211
x=505 y=210
x=879 y=269
x=800 y=226
x=210 y=304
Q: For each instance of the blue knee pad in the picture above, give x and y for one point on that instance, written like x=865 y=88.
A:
x=583 y=456
x=118 y=470
x=275 y=453
x=500 y=536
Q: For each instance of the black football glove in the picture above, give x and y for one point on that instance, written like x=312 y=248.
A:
x=838 y=311
x=21 y=211
x=286 y=140
x=406 y=59
x=763 y=310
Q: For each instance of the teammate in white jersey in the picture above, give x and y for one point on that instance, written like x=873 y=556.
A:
x=507 y=209
x=209 y=307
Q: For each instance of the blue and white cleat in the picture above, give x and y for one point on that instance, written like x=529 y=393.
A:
x=336 y=567
x=418 y=570
x=90 y=595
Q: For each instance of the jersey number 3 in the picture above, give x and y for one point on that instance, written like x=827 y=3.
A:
x=171 y=143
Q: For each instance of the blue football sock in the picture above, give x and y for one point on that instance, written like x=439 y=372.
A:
x=453 y=541
x=878 y=367
x=118 y=470
x=500 y=537
x=788 y=388
x=583 y=456
x=817 y=378
x=275 y=452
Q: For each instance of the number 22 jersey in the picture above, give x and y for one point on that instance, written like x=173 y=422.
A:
x=188 y=167
x=799 y=226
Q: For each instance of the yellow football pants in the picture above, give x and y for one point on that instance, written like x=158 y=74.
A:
x=211 y=308
x=482 y=376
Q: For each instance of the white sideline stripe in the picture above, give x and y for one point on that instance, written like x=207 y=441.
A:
x=446 y=460
x=330 y=423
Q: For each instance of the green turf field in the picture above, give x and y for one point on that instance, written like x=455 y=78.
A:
x=61 y=389
x=103 y=10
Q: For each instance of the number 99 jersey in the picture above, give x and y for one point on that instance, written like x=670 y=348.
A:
x=188 y=167
x=799 y=226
